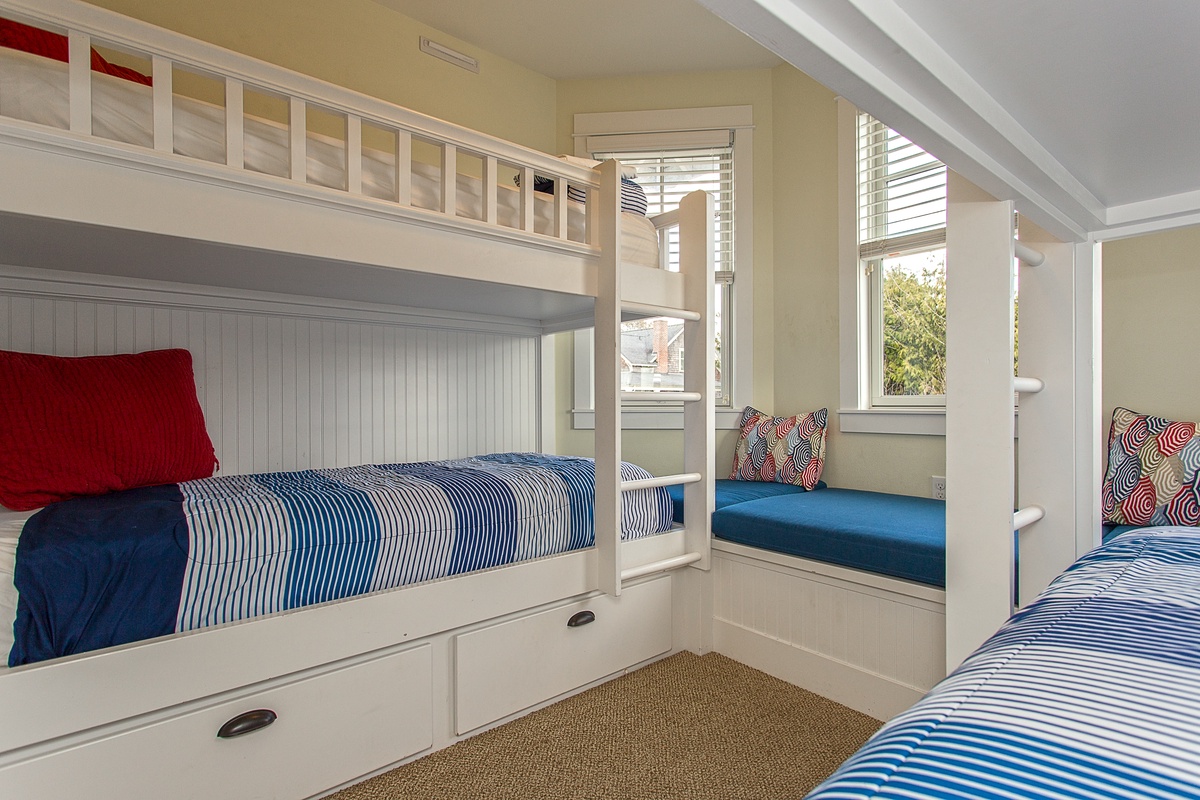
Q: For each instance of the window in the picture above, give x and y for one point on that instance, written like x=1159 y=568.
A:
x=902 y=250
x=892 y=256
x=674 y=153
x=652 y=349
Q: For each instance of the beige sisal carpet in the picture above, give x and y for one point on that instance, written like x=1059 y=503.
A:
x=686 y=727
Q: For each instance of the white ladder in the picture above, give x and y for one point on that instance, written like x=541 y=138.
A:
x=699 y=420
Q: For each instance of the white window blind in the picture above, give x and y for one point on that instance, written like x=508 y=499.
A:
x=901 y=193
x=668 y=175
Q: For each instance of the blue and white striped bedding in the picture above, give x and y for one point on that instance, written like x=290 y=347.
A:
x=1092 y=691
x=100 y=571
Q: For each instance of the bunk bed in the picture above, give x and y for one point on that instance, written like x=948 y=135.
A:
x=1089 y=691
x=146 y=193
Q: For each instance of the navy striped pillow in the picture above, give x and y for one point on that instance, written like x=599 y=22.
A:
x=633 y=197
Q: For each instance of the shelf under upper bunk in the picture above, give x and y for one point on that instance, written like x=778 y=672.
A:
x=339 y=196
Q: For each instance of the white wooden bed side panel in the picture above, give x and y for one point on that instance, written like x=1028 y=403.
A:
x=1046 y=457
x=876 y=645
x=282 y=392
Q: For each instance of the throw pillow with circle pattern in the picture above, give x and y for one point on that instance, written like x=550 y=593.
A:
x=781 y=449
x=1153 y=465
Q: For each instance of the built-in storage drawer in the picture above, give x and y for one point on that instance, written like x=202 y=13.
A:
x=510 y=666
x=330 y=727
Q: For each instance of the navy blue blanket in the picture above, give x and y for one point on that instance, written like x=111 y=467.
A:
x=96 y=571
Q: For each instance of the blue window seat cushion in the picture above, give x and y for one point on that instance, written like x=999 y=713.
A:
x=888 y=534
x=1116 y=530
x=729 y=492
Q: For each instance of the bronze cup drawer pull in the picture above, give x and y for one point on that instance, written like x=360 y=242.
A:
x=247 y=722
x=582 y=618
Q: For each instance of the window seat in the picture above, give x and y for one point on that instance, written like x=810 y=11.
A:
x=730 y=492
x=887 y=534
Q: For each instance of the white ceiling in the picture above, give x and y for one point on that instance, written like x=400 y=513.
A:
x=1085 y=112
x=1092 y=81
x=565 y=39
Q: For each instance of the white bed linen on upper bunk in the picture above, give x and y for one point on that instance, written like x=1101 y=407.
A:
x=35 y=89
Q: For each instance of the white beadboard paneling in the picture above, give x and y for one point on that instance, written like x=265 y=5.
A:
x=872 y=626
x=286 y=388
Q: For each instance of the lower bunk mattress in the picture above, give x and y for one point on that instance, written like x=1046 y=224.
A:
x=1091 y=691
x=101 y=571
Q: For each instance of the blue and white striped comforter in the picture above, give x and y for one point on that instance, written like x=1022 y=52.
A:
x=100 y=571
x=276 y=541
x=1092 y=691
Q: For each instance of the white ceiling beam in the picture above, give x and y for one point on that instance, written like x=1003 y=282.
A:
x=872 y=53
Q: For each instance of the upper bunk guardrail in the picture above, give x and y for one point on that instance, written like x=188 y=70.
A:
x=560 y=226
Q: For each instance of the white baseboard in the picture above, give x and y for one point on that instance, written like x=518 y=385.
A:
x=867 y=692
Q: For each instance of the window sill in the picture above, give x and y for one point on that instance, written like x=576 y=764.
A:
x=915 y=421
x=651 y=419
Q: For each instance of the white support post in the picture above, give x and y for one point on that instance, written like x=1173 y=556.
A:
x=979 y=416
x=235 y=130
x=560 y=208
x=79 y=77
x=526 y=201
x=607 y=374
x=354 y=154
x=490 y=179
x=449 y=180
x=589 y=210
x=404 y=168
x=1091 y=428
x=298 y=139
x=164 y=104
x=1046 y=456
x=696 y=262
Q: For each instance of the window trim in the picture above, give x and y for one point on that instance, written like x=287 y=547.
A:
x=739 y=337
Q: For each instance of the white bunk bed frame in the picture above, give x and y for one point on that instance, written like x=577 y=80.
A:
x=755 y=607
x=361 y=684
x=878 y=57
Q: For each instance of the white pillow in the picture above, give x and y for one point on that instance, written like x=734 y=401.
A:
x=11 y=524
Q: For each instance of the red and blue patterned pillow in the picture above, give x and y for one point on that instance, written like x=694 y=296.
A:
x=1153 y=465
x=781 y=449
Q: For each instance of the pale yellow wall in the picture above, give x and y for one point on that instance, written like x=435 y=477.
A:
x=364 y=46
x=660 y=451
x=797 y=358
x=807 y=357
x=1151 y=336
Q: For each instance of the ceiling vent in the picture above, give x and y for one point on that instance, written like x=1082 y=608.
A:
x=446 y=54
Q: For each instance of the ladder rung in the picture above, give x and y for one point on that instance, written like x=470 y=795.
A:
x=648 y=310
x=660 y=397
x=1027 y=516
x=1027 y=254
x=660 y=566
x=1028 y=385
x=664 y=480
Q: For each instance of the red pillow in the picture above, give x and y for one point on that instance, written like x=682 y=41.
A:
x=82 y=426
x=29 y=39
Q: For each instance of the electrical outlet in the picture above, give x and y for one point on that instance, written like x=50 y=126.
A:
x=937 y=487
